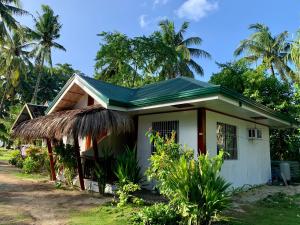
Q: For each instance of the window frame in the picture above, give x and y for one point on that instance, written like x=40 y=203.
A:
x=233 y=135
x=164 y=124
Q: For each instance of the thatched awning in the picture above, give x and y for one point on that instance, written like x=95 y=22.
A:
x=89 y=121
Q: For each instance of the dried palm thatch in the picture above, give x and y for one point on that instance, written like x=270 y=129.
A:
x=91 y=121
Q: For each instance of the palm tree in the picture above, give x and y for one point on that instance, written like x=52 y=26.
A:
x=14 y=60
x=178 y=52
x=9 y=8
x=273 y=51
x=46 y=32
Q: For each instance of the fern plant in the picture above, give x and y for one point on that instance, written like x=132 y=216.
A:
x=127 y=167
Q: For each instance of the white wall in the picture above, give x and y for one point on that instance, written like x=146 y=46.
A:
x=253 y=165
x=187 y=132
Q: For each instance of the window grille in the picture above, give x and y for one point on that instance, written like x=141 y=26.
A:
x=165 y=128
x=227 y=140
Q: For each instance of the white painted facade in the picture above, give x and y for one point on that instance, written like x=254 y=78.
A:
x=253 y=165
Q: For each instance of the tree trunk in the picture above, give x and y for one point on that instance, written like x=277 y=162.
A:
x=50 y=153
x=272 y=70
x=3 y=98
x=36 y=88
x=79 y=165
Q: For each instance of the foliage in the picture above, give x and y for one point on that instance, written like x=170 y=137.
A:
x=66 y=159
x=101 y=178
x=36 y=159
x=30 y=165
x=6 y=123
x=194 y=187
x=167 y=152
x=162 y=55
x=65 y=155
x=9 y=9
x=124 y=193
x=127 y=167
x=44 y=35
x=157 y=214
x=267 y=90
x=16 y=159
x=272 y=51
x=5 y=154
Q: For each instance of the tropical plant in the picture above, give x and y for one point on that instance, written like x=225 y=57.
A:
x=272 y=51
x=194 y=187
x=127 y=167
x=9 y=9
x=167 y=151
x=16 y=159
x=157 y=214
x=45 y=33
x=178 y=52
x=101 y=178
x=14 y=61
x=124 y=193
x=295 y=53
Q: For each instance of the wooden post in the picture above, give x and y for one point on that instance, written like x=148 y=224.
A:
x=79 y=166
x=50 y=153
x=201 y=131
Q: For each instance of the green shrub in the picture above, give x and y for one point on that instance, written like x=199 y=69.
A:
x=194 y=187
x=66 y=159
x=16 y=159
x=124 y=193
x=30 y=165
x=36 y=160
x=157 y=214
x=127 y=167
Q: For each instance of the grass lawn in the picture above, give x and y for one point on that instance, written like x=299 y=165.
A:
x=276 y=210
x=4 y=154
x=102 y=215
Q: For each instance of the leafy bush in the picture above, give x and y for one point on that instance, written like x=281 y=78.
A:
x=66 y=159
x=66 y=156
x=36 y=159
x=101 y=178
x=30 y=165
x=127 y=169
x=124 y=193
x=157 y=214
x=16 y=159
x=194 y=187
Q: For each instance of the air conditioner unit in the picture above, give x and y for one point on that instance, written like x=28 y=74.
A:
x=254 y=133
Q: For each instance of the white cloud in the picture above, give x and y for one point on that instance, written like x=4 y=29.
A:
x=142 y=21
x=196 y=9
x=160 y=2
x=145 y=21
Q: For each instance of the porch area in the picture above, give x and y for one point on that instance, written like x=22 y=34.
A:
x=86 y=129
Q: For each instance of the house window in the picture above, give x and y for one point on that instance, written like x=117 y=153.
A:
x=165 y=128
x=227 y=140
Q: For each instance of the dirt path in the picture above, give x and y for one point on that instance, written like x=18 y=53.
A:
x=32 y=202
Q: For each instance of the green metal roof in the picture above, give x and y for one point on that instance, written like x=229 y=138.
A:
x=169 y=91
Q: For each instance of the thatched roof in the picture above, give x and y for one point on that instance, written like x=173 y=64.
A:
x=28 y=112
x=91 y=120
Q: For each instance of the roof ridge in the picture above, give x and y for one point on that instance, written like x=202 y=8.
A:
x=101 y=81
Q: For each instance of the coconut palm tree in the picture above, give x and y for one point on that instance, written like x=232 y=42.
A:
x=45 y=33
x=9 y=8
x=14 y=60
x=178 y=52
x=271 y=51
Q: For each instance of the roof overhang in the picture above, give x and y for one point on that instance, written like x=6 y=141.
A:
x=215 y=98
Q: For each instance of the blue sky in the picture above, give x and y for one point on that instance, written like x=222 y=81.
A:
x=220 y=23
